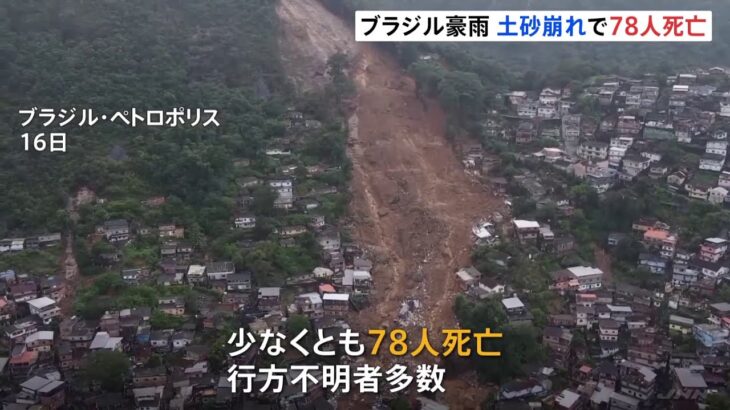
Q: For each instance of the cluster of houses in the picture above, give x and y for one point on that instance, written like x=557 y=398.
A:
x=621 y=346
x=330 y=295
x=48 y=349
x=542 y=236
x=614 y=345
x=120 y=232
x=549 y=104
x=284 y=188
x=615 y=341
x=618 y=343
x=28 y=307
x=639 y=119
x=474 y=283
x=700 y=270
x=630 y=139
x=284 y=181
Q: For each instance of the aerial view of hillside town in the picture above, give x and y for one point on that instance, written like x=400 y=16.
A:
x=573 y=198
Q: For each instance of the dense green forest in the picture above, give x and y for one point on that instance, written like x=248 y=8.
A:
x=111 y=56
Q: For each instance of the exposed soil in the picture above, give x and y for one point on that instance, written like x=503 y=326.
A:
x=70 y=273
x=309 y=35
x=603 y=262
x=412 y=204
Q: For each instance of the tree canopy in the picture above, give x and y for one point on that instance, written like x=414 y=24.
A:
x=215 y=55
x=108 y=369
x=519 y=345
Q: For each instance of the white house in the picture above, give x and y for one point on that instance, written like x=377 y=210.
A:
x=633 y=98
x=608 y=330
x=45 y=308
x=550 y=154
x=40 y=341
x=683 y=132
x=725 y=109
x=582 y=278
x=196 y=273
x=160 y=339
x=724 y=179
x=239 y=281
x=584 y=315
x=547 y=111
x=593 y=150
x=274 y=152
x=245 y=222
x=549 y=96
x=652 y=156
x=219 y=270
x=468 y=277
x=17 y=245
x=697 y=190
x=489 y=287
x=710 y=269
x=588 y=277
x=116 y=230
x=528 y=109
x=712 y=162
x=513 y=305
x=716 y=147
x=284 y=190
x=633 y=165
x=623 y=142
x=719 y=135
x=571 y=126
x=615 y=155
x=181 y=339
x=102 y=341
x=329 y=239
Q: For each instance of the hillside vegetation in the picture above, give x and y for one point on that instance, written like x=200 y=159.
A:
x=112 y=56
